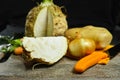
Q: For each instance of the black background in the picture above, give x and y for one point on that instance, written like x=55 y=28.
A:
x=79 y=12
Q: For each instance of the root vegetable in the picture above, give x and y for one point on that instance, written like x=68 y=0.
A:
x=18 y=50
x=45 y=50
x=46 y=19
x=100 y=35
x=90 y=60
x=108 y=47
x=104 y=61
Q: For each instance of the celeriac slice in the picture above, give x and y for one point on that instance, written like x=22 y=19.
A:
x=46 y=49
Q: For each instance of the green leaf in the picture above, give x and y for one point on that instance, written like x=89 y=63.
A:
x=16 y=42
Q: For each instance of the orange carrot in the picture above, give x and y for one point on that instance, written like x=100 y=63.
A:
x=108 y=47
x=90 y=60
x=104 y=61
x=18 y=50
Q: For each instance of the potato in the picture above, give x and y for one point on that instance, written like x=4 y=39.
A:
x=100 y=35
x=73 y=33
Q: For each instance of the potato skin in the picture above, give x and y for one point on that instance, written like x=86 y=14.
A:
x=100 y=35
x=73 y=33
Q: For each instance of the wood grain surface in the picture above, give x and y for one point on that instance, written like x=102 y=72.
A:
x=15 y=69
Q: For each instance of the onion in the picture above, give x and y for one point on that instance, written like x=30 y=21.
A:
x=81 y=47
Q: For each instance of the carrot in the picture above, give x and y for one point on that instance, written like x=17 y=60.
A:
x=90 y=60
x=18 y=50
x=104 y=61
x=108 y=47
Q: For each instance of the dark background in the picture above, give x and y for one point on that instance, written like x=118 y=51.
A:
x=79 y=12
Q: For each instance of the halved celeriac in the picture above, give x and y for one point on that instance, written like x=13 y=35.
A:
x=47 y=50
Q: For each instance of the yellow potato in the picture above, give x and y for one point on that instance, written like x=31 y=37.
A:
x=100 y=35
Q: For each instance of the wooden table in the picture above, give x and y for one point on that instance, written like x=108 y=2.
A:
x=15 y=69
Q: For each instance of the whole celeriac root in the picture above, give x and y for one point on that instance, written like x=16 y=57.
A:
x=46 y=19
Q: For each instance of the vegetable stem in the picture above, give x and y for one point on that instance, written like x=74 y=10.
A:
x=47 y=1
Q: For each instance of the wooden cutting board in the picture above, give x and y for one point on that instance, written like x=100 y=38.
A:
x=15 y=69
